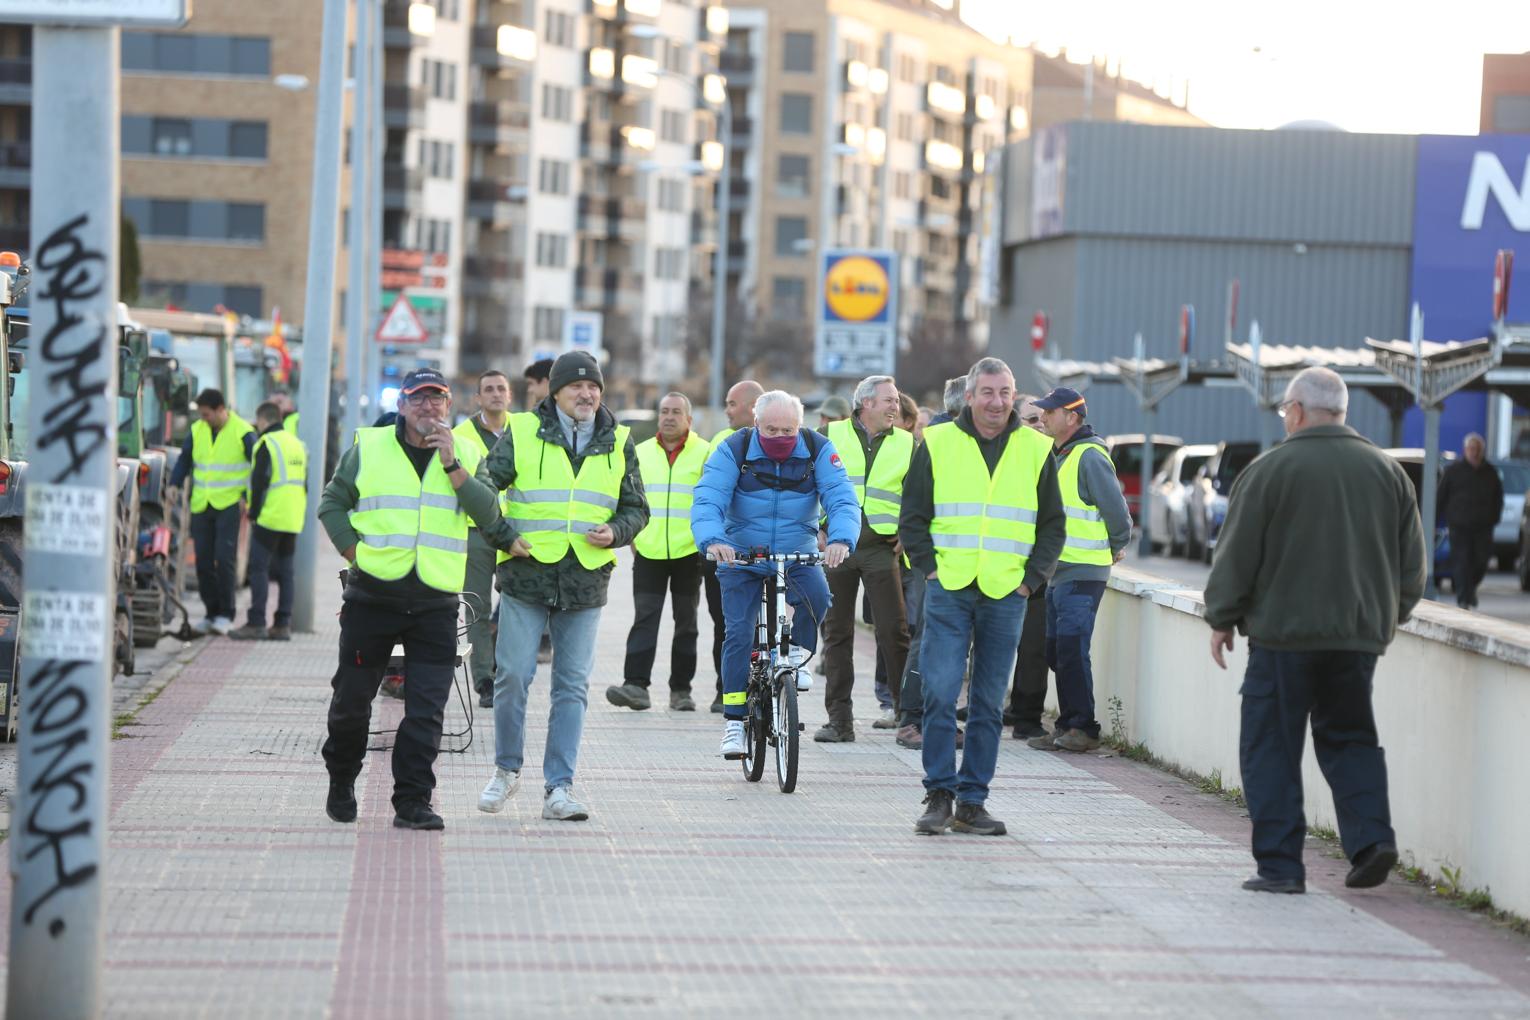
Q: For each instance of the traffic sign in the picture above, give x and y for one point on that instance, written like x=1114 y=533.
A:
x=582 y=331
x=402 y=325
x=79 y=13
x=857 y=320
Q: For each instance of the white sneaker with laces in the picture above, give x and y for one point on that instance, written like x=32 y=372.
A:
x=493 y=797
x=733 y=740
x=220 y=625
x=804 y=679
x=560 y=806
x=796 y=655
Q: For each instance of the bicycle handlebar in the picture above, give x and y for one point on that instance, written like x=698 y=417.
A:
x=754 y=556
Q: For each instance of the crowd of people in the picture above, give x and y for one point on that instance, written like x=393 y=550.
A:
x=977 y=541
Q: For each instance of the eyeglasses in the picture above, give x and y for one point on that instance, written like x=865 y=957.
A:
x=1032 y=419
x=1281 y=407
x=429 y=396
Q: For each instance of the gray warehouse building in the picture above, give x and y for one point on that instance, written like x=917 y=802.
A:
x=1110 y=228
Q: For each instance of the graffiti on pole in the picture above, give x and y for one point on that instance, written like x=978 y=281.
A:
x=73 y=274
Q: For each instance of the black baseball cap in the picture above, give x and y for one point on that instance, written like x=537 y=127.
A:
x=1068 y=400
x=424 y=379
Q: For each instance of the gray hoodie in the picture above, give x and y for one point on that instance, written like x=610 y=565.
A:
x=1098 y=487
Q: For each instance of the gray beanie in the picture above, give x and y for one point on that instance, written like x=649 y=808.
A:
x=573 y=366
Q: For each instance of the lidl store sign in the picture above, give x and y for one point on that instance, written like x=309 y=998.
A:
x=857 y=332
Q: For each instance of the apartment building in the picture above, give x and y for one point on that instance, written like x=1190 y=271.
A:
x=15 y=136
x=1097 y=90
x=1505 y=93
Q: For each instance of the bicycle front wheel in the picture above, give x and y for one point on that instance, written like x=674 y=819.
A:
x=785 y=732
x=756 y=728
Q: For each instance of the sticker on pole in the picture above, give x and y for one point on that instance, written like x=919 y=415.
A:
x=80 y=13
x=72 y=519
x=402 y=325
x=64 y=625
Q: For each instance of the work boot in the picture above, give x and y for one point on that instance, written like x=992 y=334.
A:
x=1371 y=866
x=830 y=734
x=1275 y=885
x=1077 y=740
x=1027 y=730
x=974 y=819
x=909 y=737
x=249 y=632
x=416 y=814
x=1043 y=741
x=629 y=696
x=281 y=632
x=680 y=701
x=937 y=816
x=341 y=805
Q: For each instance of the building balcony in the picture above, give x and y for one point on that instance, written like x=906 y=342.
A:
x=703 y=229
x=396 y=34
x=502 y=123
x=484 y=277
x=743 y=133
x=493 y=199
x=625 y=218
x=507 y=46
x=737 y=67
x=16 y=80
x=635 y=12
x=403 y=106
x=15 y=164
x=402 y=188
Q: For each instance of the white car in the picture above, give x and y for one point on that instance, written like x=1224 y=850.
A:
x=1169 y=516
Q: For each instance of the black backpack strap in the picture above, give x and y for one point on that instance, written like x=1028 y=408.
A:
x=739 y=443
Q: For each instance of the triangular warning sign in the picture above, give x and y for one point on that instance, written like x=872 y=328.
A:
x=402 y=325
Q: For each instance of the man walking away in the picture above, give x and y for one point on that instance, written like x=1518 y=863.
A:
x=1028 y=696
x=279 y=509
x=664 y=556
x=1469 y=503
x=740 y=411
x=983 y=519
x=1320 y=558
x=398 y=510
x=578 y=495
x=1098 y=528
x=876 y=456
x=481 y=432
x=217 y=457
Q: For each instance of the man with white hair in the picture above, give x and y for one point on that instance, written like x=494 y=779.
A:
x=876 y=456
x=761 y=489
x=1469 y=503
x=1320 y=558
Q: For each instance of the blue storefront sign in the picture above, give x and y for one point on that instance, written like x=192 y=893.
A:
x=1472 y=198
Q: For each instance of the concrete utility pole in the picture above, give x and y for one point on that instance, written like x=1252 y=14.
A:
x=357 y=256
x=376 y=149
x=58 y=828
x=720 y=270
x=318 y=309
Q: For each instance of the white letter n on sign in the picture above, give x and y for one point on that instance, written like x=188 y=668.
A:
x=1488 y=175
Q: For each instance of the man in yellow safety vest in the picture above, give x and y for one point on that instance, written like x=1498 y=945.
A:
x=278 y=512
x=216 y=458
x=983 y=519
x=665 y=558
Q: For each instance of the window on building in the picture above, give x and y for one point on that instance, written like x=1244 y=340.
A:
x=552 y=250
x=672 y=126
x=903 y=127
x=246 y=221
x=796 y=113
x=169 y=218
x=677 y=56
x=797 y=52
x=671 y=195
x=790 y=230
x=247 y=139
x=558 y=29
x=552 y=176
x=668 y=263
x=192 y=53
x=557 y=102
x=1511 y=113
x=792 y=176
x=908 y=69
x=547 y=323
x=902 y=184
x=440 y=78
x=171 y=136
x=788 y=298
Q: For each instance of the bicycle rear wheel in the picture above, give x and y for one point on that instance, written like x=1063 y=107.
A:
x=785 y=732
x=756 y=727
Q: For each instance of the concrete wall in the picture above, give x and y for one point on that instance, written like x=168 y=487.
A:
x=1452 y=708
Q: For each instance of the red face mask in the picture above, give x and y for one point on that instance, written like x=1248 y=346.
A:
x=778 y=448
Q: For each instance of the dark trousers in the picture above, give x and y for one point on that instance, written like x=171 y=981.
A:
x=215 y=536
x=876 y=565
x=1071 y=608
x=911 y=689
x=650 y=579
x=271 y=560
x=368 y=633
x=1470 y=551
x=1028 y=696
x=1280 y=691
x=719 y=619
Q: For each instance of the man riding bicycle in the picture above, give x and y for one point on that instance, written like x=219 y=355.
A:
x=761 y=489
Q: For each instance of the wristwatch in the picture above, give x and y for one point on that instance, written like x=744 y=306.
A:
x=449 y=468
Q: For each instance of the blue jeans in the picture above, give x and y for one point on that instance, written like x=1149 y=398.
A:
x=952 y=621
x=1071 y=609
x=515 y=658
x=271 y=558
x=741 y=593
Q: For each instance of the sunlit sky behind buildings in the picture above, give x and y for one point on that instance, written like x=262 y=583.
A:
x=1406 y=66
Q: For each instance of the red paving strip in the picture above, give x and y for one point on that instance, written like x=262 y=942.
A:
x=1021 y=854
x=243 y=963
x=1462 y=936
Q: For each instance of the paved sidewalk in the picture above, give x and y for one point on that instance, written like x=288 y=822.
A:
x=691 y=893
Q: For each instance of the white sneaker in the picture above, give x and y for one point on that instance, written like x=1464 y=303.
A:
x=804 y=679
x=888 y=720
x=796 y=655
x=203 y=626
x=220 y=625
x=733 y=740
x=560 y=806
x=493 y=797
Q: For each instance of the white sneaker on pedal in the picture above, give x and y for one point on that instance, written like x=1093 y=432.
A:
x=733 y=740
x=804 y=679
x=796 y=655
x=493 y=797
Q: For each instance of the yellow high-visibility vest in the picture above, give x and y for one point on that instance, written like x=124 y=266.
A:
x=880 y=495
x=407 y=522
x=550 y=507
x=670 y=489
x=984 y=526
x=468 y=433
x=1088 y=539
x=220 y=474
x=286 y=500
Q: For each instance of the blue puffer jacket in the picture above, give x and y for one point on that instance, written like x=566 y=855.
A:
x=743 y=507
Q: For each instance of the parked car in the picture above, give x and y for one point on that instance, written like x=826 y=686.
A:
x=1515 y=475
x=1412 y=460
x=1208 y=495
x=1170 y=513
x=1126 y=453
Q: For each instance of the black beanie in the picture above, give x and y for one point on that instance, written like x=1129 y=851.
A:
x=573 y=366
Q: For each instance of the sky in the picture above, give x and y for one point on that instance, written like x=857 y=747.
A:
x=1406 y=66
